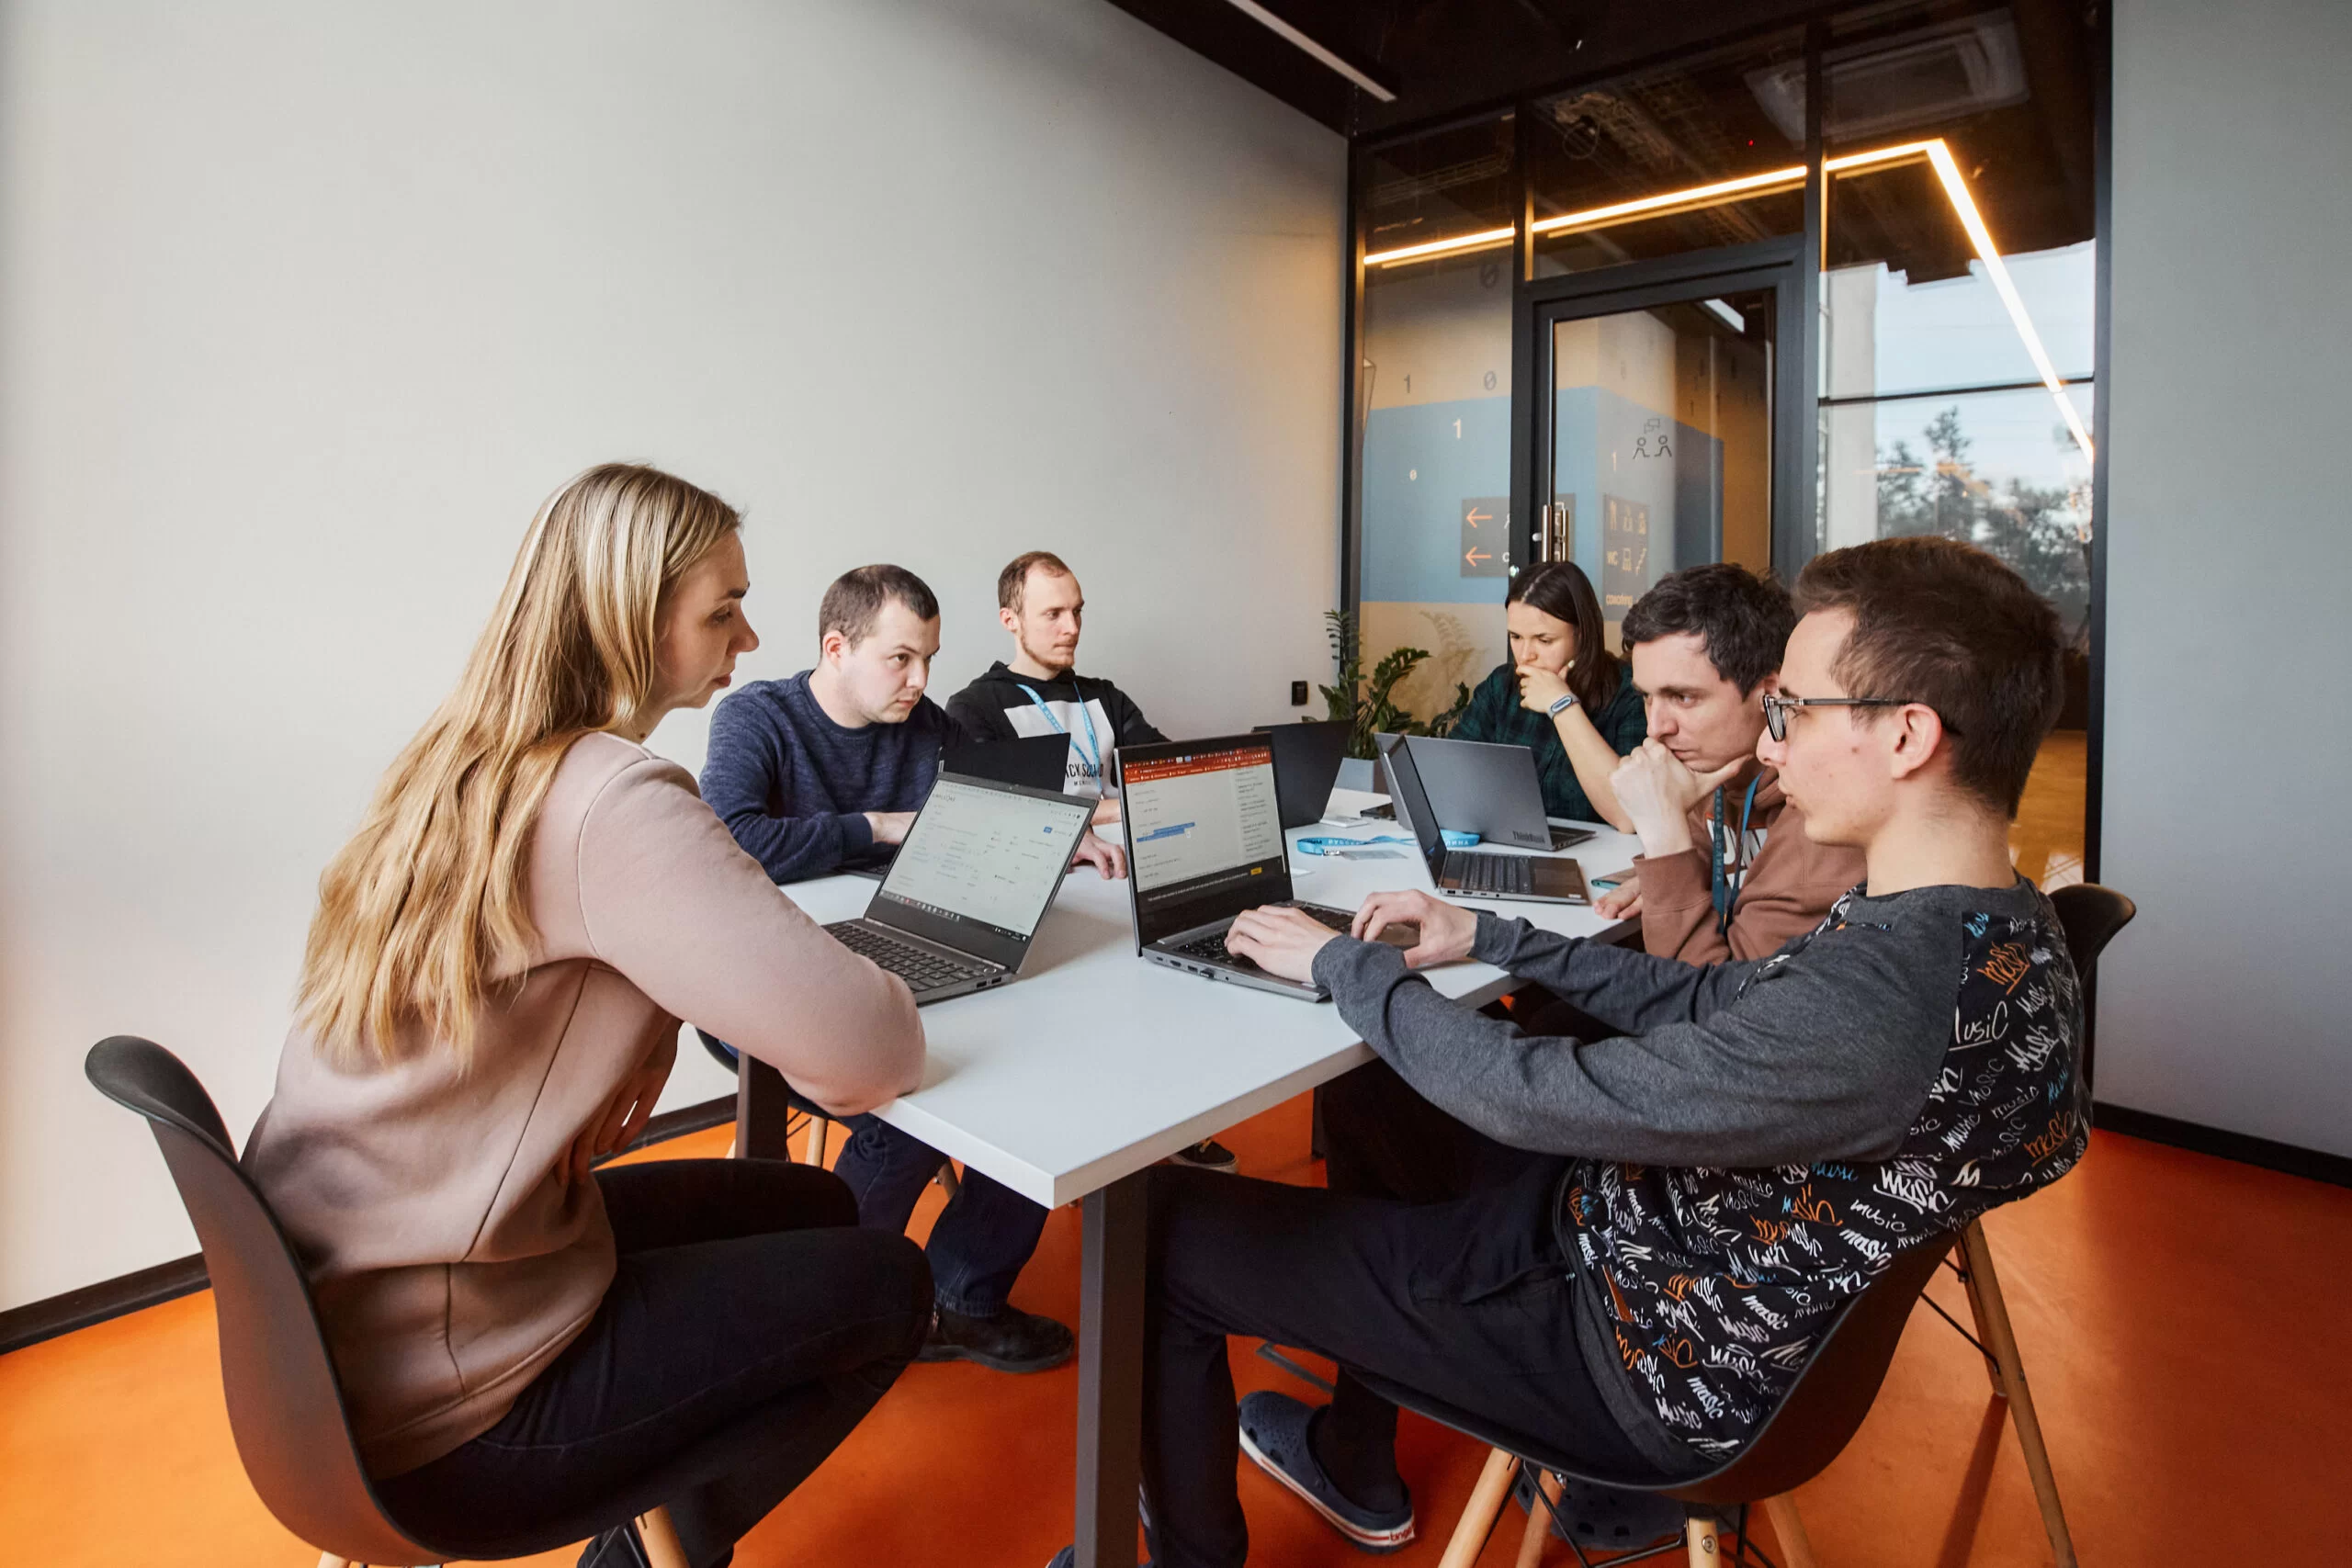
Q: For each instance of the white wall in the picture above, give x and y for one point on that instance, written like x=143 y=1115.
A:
x=304 y=308
x=2229 y=566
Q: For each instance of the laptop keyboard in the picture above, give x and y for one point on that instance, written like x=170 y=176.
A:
x=920 y=968
x=1492 y=874
x=1212 y=946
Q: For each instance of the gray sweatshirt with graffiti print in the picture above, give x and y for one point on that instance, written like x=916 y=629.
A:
x=1764 y=1136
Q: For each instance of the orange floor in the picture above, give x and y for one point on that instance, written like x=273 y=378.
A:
x=2175 y=1311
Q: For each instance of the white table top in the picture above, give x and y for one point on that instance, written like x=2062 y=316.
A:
x=1096 y=1063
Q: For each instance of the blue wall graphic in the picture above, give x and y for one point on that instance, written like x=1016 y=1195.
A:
x=1417 y=470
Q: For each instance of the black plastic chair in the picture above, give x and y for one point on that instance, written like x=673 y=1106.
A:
x=1811 y=1426
x=286 y=1407
x=2088 y=917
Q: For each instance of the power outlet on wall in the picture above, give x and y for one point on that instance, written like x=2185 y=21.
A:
x=1298 y=694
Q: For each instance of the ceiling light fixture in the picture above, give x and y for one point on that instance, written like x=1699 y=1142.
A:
x=1936 y=152
x=1353 y=73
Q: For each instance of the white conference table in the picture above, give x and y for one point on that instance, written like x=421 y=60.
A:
x=1095 y=1065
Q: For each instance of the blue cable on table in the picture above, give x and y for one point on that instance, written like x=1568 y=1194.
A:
x=1455 y=839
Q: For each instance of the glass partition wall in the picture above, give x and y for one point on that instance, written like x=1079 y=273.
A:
x=1572 y=340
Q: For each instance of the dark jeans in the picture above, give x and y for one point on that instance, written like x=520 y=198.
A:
x=980 y=1240
x=750 y=1320
x=1431 y=1262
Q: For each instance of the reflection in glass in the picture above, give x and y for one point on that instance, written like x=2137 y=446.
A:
x=1662 y=443
x=1433 y=392
x=1660 y=144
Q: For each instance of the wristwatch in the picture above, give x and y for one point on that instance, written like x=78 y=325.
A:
x=1561 y=707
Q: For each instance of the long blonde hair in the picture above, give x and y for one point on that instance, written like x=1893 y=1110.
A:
x=427 y=902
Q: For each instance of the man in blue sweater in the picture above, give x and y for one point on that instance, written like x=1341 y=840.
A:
x=825 y=771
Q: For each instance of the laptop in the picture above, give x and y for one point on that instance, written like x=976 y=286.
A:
x=1205 y=842
x=1475 y=786
x=962 y=899
x=1470 y=874
x=1033 y=761
x=1306 y=764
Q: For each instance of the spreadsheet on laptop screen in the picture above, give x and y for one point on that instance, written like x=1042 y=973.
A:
x=985 y=855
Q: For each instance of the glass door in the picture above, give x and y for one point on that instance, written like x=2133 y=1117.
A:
x=1651 y=441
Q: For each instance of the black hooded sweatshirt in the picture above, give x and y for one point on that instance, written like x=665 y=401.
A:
x=1001 y=705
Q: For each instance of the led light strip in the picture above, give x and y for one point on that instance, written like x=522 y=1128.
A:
x=1935 y=151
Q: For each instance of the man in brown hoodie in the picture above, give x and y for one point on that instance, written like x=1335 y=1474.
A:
x=1726 y=870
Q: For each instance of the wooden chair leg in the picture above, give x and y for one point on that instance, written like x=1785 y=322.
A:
x=1698 y=1540
x=817 y=1125
x=660 y=1537
x=1976 y=1311
x=1994 y=1319
x=1485 y=1507
x=1539 y=1522
x=1796 y=1548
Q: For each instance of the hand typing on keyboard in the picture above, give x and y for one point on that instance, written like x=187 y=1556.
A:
x=1280 y=940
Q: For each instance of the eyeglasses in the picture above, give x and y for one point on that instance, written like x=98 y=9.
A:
x=1775 y=709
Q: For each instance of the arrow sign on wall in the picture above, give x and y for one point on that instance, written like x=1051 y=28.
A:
x=1481 y=555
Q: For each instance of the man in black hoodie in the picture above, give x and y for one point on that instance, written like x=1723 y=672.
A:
x=1040 y=693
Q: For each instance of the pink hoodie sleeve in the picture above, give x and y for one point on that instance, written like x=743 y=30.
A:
x=669 y=900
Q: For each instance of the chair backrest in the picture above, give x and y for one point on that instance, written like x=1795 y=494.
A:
x=1821 y=1412
x=1814 y=1421
x=2090 y=915
x=285 y=1402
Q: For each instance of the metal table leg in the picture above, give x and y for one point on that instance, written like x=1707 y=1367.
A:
x=1110 y=1373
x=761 y=1111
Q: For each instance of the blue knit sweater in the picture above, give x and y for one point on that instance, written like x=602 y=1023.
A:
x=794 y=787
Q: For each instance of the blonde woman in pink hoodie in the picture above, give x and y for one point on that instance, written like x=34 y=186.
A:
x=491 y=999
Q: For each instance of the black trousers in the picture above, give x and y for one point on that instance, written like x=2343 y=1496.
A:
x=1430 y=1261
x=750 y=1321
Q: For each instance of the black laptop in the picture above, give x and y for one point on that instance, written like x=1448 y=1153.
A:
x=962 y=898
x=1033 y=761
x=1205 y=842
x=1306 y=764
x=1472 y=874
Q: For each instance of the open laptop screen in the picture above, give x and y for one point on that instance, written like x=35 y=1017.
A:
x=981 y=861
x=1412 y=802
x=1204 y=828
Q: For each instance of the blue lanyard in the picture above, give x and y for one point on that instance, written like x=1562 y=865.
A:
x=1341 y=846
x=1092 y=752
x=1725 y=894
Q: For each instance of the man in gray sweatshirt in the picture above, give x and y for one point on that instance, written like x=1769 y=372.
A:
x=1629 y=1246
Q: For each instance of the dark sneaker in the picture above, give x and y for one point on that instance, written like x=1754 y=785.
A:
x=1274 y=1434
x=1207 y=1155
x=1011 y=1341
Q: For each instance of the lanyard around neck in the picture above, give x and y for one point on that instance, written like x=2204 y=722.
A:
x=1726 y=894
x=1092 y=751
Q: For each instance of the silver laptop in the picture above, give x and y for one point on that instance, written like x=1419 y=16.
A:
x=1205 y=842
x=1477 y=786
x=968 y=888
x=1532 y=879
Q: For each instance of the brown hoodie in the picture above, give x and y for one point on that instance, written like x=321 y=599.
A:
x=451 y=1256
x=1790 y=886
